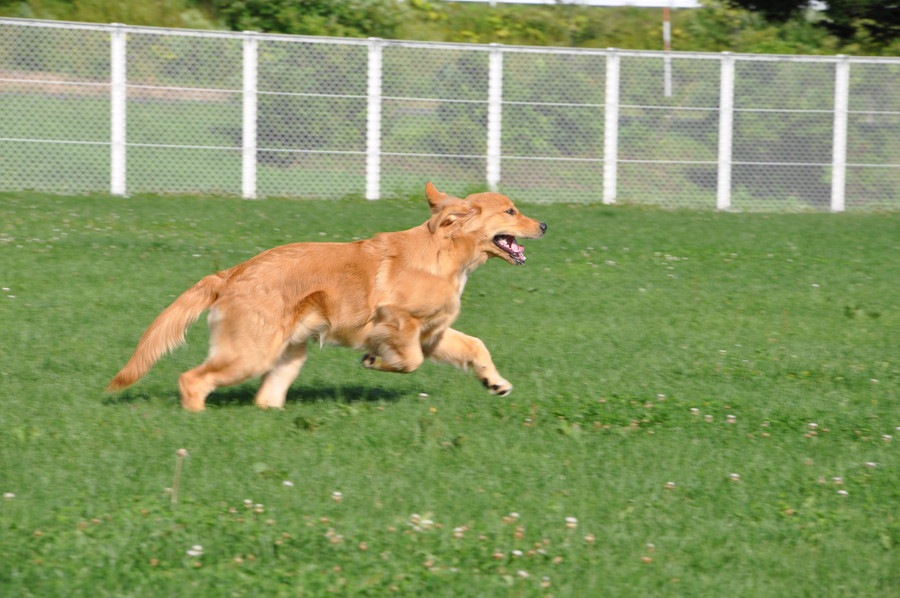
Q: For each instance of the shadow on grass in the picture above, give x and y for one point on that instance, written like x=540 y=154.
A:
x=242 y=396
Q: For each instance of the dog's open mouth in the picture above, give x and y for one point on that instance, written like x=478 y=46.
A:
x=508 y=244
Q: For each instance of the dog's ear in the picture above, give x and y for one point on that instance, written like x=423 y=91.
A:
x=438 y=200
x=435 y=197
x=448 y=213
x=445 y=209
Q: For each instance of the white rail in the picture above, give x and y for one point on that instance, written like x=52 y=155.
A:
x=329 y=117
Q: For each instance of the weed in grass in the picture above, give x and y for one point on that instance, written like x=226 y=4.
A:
x=180 y=455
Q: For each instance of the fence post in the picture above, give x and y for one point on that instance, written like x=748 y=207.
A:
x=373 y=121
x=118 y=102
x=611 y=127
x=839 y=144
x=248 y=150
x=726 y=131
x=495 y=115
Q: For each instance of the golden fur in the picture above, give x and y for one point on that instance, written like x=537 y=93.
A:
x=393 y=296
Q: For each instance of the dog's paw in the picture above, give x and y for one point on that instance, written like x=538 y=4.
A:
x=500 y=387
x=371 y=361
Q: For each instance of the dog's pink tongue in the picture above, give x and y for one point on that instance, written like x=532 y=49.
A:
x=515 y=247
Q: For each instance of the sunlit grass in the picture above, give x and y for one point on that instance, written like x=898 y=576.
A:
x=704 y=403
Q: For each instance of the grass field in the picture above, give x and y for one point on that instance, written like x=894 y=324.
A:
x=704 y=406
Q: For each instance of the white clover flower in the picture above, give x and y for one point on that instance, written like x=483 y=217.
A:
x=571 y=522
x=669 y=485
x=8 y=495
x=288 y=483
x=195 y=550
x=337 y=496
x=843 y=493
x=812 y=426
x=871 y=464
x=735 y=477
x=523 y=574
x=695 y=411
x=181 y=453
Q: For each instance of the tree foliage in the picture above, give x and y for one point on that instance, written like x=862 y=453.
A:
x=764 y=26
x=847 y=19
x=348 y=18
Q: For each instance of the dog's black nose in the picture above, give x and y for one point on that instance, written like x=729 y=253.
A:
x=543 y=227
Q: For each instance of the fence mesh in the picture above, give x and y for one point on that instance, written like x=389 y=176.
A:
x=337 y=117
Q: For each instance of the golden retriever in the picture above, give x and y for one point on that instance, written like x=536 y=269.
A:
x=393 y=296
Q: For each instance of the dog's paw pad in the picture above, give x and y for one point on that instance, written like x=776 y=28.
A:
x=370 y=361
x=501 y=388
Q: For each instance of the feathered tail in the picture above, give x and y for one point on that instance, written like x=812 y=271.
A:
x=167 y=330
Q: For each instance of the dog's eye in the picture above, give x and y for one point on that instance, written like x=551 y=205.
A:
x=511 y=212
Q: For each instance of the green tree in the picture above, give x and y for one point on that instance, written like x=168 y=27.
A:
x=847 y=19
x=349 y=18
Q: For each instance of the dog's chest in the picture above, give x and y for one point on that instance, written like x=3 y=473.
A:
x=424 y=296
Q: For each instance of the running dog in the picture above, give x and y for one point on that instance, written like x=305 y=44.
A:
x=393 y=296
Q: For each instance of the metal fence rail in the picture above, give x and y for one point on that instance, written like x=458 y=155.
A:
x=93 y=108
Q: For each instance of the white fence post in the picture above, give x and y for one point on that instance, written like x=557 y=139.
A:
x=373 y=121
x=118 y=102
x=839 y=144
x=611 y=127
x=726 y=131
x=495 y=115
x=251 y=72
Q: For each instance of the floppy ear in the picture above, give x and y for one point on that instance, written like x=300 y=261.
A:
x=449 y=213
x=445 y=209
x=435 y=197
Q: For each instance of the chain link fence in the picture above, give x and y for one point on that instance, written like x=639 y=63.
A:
x=110 y=108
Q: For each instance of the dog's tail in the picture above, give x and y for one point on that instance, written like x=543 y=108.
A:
x=167 y=330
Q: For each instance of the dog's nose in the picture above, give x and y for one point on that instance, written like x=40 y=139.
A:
x=543 y=227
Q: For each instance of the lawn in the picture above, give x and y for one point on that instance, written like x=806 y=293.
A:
x=705 y=404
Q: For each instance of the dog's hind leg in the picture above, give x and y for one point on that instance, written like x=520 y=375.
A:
x=276 y=381
x=196 y=384
x=238 y=351
x=464 y=352
x=308 y=321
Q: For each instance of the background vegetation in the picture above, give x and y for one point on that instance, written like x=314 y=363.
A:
x=704 y=402
x=849 y=27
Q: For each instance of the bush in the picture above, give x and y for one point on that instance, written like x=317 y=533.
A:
x=346 y=18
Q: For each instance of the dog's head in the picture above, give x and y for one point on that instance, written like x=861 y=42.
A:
x=490 y=220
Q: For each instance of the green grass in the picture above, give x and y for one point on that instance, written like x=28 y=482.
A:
x=621 y=323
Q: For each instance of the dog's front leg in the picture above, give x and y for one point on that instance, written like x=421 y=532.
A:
x=464 y=352
x=394 y=343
